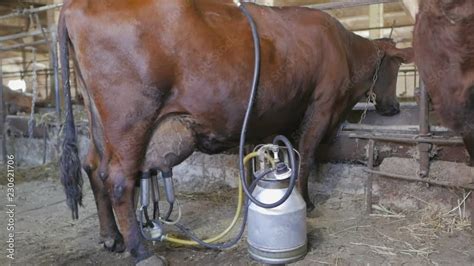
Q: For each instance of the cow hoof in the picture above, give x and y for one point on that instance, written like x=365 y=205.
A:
x=114 y=245
x=153 y=261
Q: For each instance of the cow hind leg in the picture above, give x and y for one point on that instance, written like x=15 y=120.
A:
x=121 y=188
x=171 y=143
x=109 y=233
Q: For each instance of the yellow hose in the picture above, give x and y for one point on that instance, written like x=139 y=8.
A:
x=236 y=215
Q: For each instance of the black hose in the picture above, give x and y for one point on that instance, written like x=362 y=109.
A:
x=243 y=133
x=147 y=217
x=156 y=210
x=155 y=195
x=169 y=212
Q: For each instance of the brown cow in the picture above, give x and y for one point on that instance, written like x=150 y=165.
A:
x=17 y=102
x=444 y=49
x=176 y=74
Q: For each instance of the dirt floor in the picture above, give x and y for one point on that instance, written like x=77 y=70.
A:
x=339 y=231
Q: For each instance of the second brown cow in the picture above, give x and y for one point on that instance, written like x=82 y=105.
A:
x=444 y=48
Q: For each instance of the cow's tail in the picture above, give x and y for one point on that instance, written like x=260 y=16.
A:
x=70 y=165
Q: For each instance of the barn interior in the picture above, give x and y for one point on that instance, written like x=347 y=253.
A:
x=388 y=190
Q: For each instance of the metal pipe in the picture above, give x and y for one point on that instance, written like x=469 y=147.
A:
x=392 y=129
x=32 y=121
x=22 y=45
x=381 y=27
x=406 y=82
x=420 y=140
x=416 y=76
x=46 y=71
x=20 y=35
x=47 y=84
x=43 y=30
x=416 y=179
x=145 y=190
x=28 y=11
x=424 y=148
x=347 y=4
x=45 y=143
x=16 y=64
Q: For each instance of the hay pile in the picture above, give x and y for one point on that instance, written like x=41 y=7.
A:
x=418 y=230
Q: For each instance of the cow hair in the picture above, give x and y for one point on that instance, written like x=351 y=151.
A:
x=71 y=176
x=70 y=164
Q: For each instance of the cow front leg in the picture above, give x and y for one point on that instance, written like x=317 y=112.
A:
x=471 y=207
x=469 y=143
x=313 y=129
x=109 y=233
x=468 y=139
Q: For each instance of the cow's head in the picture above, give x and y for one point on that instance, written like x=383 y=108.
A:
x=453 y=10
x=386 y=85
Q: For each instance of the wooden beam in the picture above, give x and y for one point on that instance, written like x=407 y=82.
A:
x=323 y=4
x=376 y=20
x=411 y=7
x=290 y=2
x=7 y=29
x=362 y=20
x=349 y=3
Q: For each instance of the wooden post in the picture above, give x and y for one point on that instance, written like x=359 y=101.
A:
x=411 y=7
x=424 y=148
x=55 y=80
x=46 y=85
x=370 y=177
x=3 y=116
x=376 y=20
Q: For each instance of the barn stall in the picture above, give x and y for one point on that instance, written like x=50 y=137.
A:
x=388 y=190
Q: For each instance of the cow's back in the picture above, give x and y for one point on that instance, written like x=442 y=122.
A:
x=196 y=52
x=297 y=46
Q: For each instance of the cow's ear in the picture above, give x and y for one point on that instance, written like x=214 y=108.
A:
x=406 y=55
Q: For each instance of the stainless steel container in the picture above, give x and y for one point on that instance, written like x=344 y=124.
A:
x=277 y=235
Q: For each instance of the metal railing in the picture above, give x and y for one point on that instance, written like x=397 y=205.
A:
x=29 y=11
x=425 y=142
x=408 y=79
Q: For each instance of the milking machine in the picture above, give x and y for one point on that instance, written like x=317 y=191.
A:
x=276 y=220
x=273 y=209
